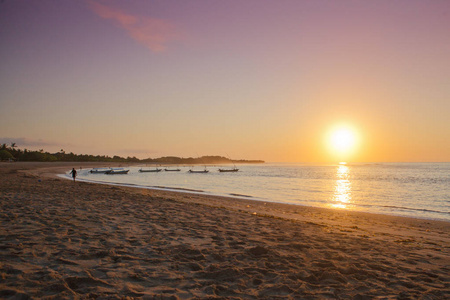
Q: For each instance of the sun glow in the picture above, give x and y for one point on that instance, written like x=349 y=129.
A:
x=342 y=141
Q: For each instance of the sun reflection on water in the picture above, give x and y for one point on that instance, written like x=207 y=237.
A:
x=342 y=190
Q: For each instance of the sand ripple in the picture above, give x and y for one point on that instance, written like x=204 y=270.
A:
x=64 y=240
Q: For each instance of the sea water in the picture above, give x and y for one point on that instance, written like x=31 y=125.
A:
x=420 y=190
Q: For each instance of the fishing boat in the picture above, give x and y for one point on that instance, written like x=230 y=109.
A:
x=229 y=170
x=172 y=170
x=117 y=171
x=150 y=170
x=203 y=171
x=99 y=170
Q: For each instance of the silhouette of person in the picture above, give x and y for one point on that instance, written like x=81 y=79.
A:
x=74 y=173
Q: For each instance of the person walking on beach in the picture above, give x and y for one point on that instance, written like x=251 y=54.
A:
x=74 y=173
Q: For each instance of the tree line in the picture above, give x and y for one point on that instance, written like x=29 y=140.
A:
x=13 y=153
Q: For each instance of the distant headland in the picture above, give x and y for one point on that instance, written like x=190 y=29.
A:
x=199 y=160
x=12 y=153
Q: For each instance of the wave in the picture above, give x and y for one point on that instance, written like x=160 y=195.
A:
x=240 y=195
x=178 y=189
x=416 y=209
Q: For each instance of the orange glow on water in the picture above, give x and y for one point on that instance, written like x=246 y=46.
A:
x=343 y=190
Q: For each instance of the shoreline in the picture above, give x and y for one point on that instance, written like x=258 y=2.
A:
x=237 y=197
x=274 y=209
x=65 y=239
x=245 y=197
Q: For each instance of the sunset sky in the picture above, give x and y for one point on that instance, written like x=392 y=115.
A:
x=249 y=79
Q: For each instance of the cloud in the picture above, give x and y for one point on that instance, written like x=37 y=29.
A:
x=25 y=142
x=151 y=32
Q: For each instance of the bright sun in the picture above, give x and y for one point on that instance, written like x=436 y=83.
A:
x=342 y=140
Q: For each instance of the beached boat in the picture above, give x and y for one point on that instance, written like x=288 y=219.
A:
x=117 y=171
x=99 y=170
x=229 y=170
x=203 y=171
x=172 y=170
x=150 y=170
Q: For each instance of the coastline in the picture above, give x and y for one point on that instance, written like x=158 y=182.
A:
x=329 y=196
x=109 y=241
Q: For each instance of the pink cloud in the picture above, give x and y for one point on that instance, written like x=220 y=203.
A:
x=151 y=32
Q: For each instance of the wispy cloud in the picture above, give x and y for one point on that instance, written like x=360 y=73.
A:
x=25 y=142
x=151 y=32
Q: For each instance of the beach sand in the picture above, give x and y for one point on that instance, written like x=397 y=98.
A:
x=60 y=239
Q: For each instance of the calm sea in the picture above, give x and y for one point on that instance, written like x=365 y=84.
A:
x=420 y=190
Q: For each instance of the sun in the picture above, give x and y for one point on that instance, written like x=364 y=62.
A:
x=342 y=141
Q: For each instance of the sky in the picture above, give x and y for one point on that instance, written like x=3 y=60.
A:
x=254 y=79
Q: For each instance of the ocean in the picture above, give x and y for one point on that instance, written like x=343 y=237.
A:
x=419 y=190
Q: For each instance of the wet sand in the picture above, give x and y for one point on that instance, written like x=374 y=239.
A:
x=60 y=239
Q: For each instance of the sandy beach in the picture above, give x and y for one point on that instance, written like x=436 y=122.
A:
x=60 y=239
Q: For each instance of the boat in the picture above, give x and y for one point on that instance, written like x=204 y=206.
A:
x=99 y=170
x=204 y=171
x=229 y=170
x=150 y=170
x=117 y=171
x=172 y=170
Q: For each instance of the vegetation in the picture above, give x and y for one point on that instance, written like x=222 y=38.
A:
x=5 y=155
x=8 y=153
